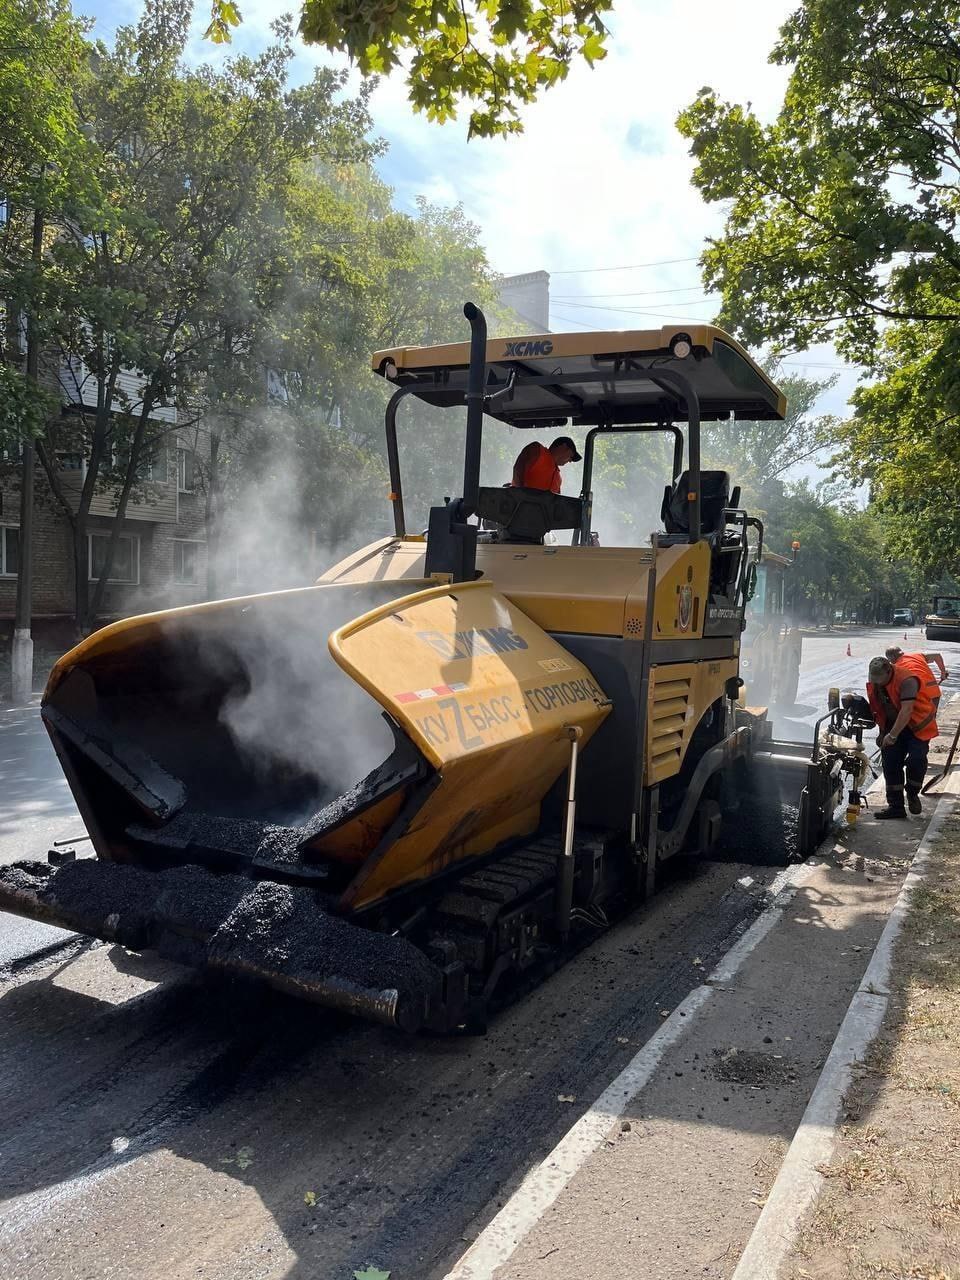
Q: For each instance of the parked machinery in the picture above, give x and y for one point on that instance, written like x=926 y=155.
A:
x=943 y=621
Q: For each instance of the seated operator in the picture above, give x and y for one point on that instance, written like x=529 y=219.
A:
x=539 y=468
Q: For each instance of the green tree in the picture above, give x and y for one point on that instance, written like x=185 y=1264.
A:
x=758 y=453
x=842 y=212
x=903 y=439
x=841 y=225
x=497 y=55
x=359 y=277
x=168 y=277
x=43 y=164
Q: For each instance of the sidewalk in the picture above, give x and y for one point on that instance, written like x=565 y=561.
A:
x=677 y=1173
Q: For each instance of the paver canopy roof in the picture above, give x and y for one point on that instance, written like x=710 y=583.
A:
x=585 y=379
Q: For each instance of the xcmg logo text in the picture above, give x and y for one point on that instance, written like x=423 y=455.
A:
x=543 y=347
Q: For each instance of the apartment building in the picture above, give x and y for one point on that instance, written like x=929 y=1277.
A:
x=161 y=557
x=528 y=297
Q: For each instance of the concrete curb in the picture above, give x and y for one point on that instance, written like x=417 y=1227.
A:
x=798 y=1183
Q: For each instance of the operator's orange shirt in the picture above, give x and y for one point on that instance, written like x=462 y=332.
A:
x=541 y=472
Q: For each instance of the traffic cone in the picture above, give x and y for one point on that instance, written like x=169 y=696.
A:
x=849 y=654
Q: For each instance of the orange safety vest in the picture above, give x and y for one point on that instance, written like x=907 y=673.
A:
x=923 y=722
x=542 y=472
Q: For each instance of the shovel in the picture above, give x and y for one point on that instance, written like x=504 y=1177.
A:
x=946 y=768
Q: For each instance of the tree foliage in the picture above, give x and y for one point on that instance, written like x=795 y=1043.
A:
x=758 y=454
x=217 y=268
x=904 y=440
x=497 y=55
x=843 y=210
x=43 y=157
x=842 y=224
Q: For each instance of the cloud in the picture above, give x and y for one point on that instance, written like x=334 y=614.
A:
x=600 y=178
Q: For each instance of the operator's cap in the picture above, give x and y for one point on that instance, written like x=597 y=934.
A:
x=894 y=652
x=878 y=667
x=570 y=445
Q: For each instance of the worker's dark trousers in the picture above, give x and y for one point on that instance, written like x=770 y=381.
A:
x=904 y=762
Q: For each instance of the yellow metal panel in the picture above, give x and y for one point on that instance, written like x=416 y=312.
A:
x=487 y=696
x=456 y=355
x=699 y=685
x=129 y=634
x=669 y=723
x=580 y=590
x=683 y=578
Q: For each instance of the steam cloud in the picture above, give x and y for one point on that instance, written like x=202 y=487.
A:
x=293 y=706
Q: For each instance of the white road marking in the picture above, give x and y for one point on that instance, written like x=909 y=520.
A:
x=784 y=887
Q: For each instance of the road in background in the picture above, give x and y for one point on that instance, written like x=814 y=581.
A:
x=824 y=663
x=36 y=808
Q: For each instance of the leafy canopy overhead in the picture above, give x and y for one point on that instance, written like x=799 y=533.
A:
x=843 y=210
x=498 y=55
x=842 y=224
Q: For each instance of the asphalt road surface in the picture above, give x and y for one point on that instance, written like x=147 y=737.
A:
x=825 y=663
x=157 y=1125
x=36 y=808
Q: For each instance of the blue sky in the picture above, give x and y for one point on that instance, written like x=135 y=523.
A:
x=598 y=186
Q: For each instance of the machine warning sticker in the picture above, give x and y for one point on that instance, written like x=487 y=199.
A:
x=436 y=691
x=554 y=664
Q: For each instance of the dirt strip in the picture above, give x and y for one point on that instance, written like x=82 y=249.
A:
x=891 y=1203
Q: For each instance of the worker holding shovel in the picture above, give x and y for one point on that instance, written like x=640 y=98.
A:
x=904 y=696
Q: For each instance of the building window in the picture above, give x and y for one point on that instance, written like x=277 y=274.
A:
x=9 y=550
x=186 y=470
x=155 y=468
x=185 y=567
x=126 y=561
x=277 y=387
x=69 y=461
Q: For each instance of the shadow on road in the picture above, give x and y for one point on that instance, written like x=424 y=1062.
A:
x=207 y=1090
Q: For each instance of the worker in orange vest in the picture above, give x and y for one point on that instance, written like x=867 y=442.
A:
x=537 y=467
x=904 y=696
x=932 y=659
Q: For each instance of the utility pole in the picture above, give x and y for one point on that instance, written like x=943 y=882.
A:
x=22 y=651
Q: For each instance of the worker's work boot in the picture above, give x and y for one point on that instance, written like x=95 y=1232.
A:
x=890 y=812
x=913 y=802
